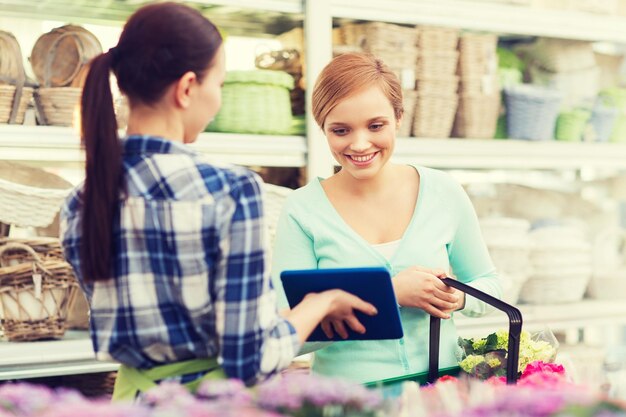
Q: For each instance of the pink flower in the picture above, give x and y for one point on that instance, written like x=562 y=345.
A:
x=543 y=367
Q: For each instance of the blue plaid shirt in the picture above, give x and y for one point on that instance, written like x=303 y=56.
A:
x=190 y=274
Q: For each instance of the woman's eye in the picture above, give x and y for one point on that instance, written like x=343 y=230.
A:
x=340 y=131
x=376 y=126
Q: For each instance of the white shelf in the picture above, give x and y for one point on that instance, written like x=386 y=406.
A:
x=59 y=146
x=488 y=17
x=566 y=316
x=73 y=354
x=509 y=154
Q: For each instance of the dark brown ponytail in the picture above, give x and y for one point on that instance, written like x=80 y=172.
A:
x=103 y=170
x=159 y=43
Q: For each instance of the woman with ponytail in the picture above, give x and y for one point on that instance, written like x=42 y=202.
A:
x=168 y=248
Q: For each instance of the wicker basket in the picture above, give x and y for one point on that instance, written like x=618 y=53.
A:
x=434 y=116
x=58 y=106
x=255 y=102
x=14 y=95
x=7 y=96
x=34 y=293
x=58 y=57
x=409 y=98
x=488 y=84
x=437 y=38
x=478 y=55
x=25 y=206
x=477 y=116
x=434 y=64
x=531 y=112
x=570 y=126
x=377 y=36
x=97 y=385
x=446 y=86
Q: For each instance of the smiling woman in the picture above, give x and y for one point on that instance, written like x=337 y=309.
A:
x=415 y=221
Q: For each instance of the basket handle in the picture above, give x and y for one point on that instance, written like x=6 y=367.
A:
x=25 y=248
x=515 y=329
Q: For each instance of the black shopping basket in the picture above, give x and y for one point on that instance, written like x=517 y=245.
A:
x=515 y=329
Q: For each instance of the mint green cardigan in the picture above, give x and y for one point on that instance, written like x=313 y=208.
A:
x=443 y=233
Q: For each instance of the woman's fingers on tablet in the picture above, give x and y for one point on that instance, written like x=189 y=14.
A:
x=327 y=328
x=340 y=329
x=355 y=324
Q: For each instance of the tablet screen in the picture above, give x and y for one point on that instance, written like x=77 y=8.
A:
x=370 y=284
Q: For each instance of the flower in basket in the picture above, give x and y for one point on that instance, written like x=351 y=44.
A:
x=486 y=357
x=309 y=395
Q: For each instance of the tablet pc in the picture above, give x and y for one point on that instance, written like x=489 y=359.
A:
x=370 y=284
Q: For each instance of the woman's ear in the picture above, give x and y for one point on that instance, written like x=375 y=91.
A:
x=399 y=121
x=183 y=87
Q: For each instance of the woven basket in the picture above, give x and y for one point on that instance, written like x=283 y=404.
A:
x=531 y=112
x=433 y=64
x=437 y=38
x=570 y=126
x=409 y=98
x=58 y=57
x=58 y=106
x=98 y=385
x=28 y=206
x=434 y=116
x=477 y=116
x=14 y=95
x=7 y=96
x=255 y=102
x=446 y=86
x=478 y=55
x=34 y=294
x=377 y=36
x=488 y=84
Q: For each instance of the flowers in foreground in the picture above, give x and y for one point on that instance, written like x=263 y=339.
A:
x=295 y=391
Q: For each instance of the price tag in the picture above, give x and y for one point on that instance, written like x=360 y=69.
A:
x=37 y=284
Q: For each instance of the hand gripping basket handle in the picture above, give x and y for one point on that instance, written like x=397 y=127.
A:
x=515 y=329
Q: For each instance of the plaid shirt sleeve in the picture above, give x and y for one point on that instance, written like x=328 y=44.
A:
x=255 y=341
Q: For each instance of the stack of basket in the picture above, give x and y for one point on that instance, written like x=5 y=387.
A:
x=15 y=94
x=60 y=62
x=37 y=287
x=436 y=82
x=561 y=260
x=479 y=90
x=395 y=45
